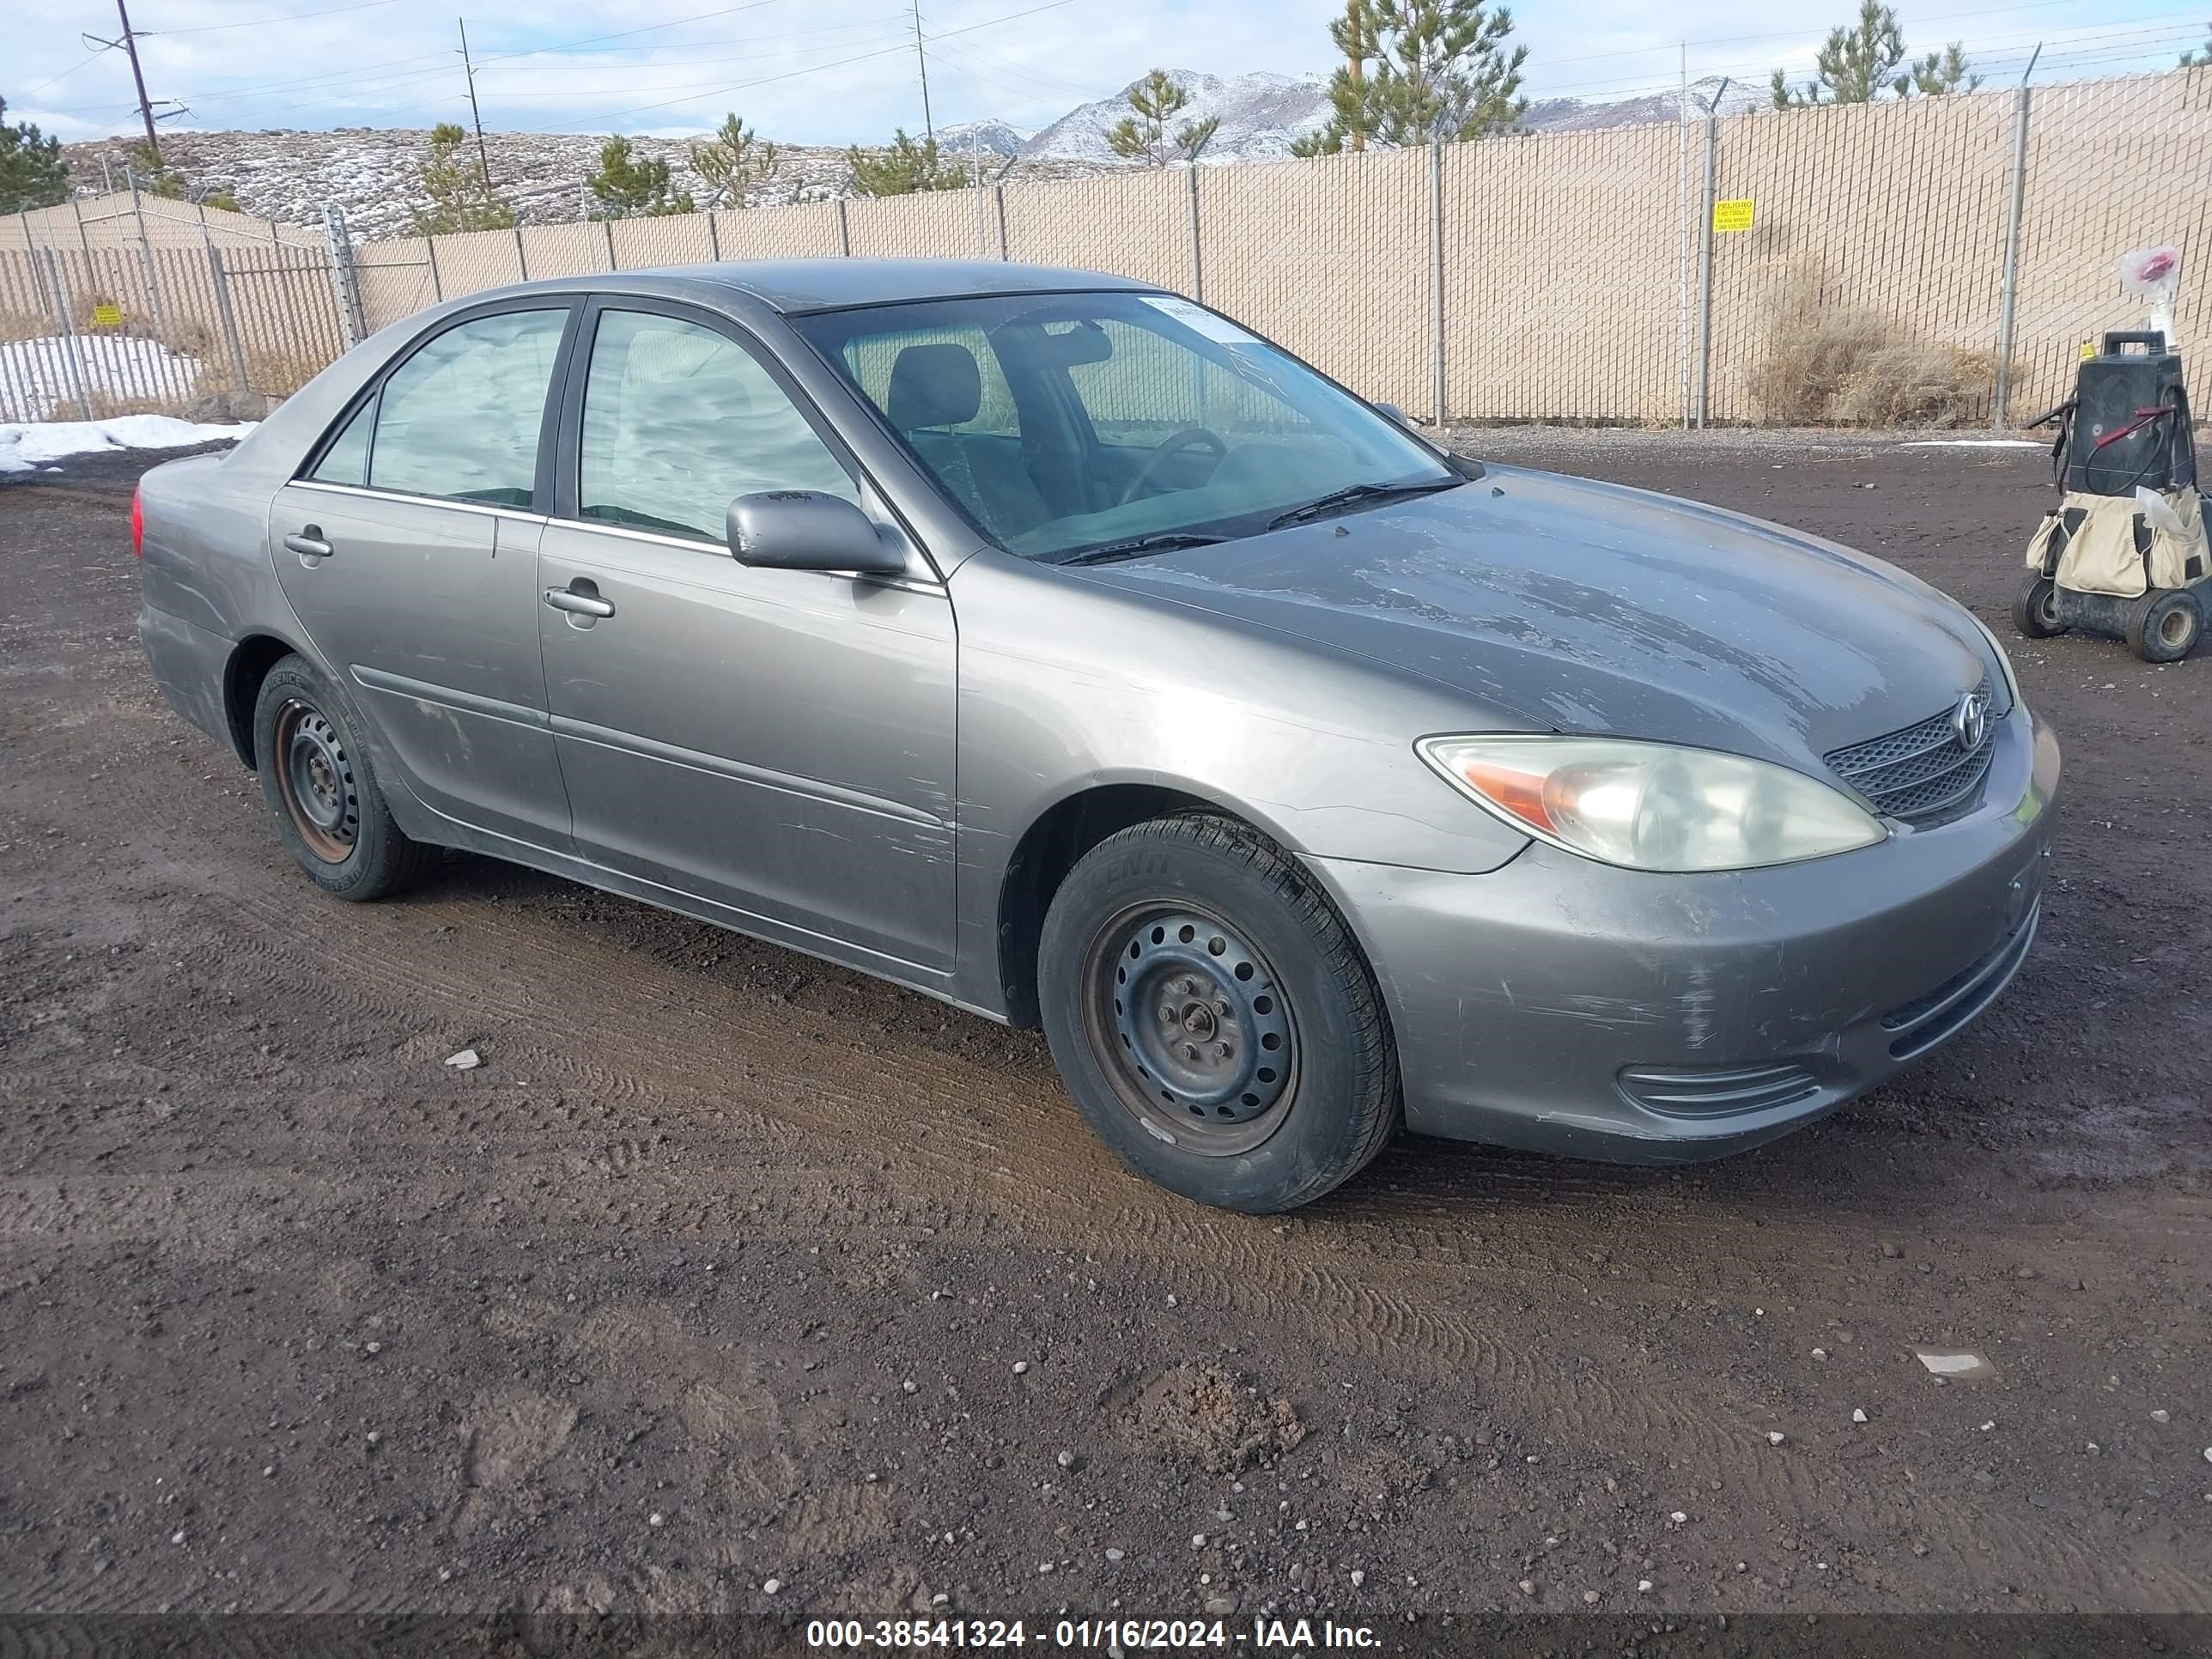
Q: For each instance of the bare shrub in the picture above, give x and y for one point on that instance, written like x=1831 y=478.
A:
x=1828 y=362
x=1918 y=383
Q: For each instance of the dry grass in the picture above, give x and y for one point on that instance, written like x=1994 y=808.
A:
x=1828 y=362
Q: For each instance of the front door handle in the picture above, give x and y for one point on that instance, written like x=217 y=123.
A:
x=308 y=542
x=578 y=604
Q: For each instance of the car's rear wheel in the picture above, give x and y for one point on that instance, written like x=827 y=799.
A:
x=2035 y=609
x=1213 y=1018
x=2164 y=627
x=316 y=777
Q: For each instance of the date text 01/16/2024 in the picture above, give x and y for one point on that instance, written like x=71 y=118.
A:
x=1154 y=1635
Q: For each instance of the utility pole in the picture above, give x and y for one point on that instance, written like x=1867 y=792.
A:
x=476 y=115
x=928 y=131
x=130 y=44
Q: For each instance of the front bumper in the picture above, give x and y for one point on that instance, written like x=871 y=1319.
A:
x=1568 y=1006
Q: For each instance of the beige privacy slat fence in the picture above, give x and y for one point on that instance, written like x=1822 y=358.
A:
x=1564 y=277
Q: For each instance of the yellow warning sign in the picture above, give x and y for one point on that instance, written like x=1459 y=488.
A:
x=107 y=316
x=1733 y=215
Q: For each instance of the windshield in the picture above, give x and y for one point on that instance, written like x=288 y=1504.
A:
x=1066 y=423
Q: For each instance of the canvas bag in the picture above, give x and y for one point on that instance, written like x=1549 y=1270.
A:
x=2112 y=544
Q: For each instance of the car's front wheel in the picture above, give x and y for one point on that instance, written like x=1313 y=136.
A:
x=315 y=775
x=1213 y=1017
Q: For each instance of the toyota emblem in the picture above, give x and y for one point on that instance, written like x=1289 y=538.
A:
x=1970 y=721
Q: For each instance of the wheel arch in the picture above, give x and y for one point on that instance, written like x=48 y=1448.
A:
x=1056 y=839
x=249 y=663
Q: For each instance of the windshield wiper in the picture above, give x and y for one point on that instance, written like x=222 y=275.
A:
x=1360 y=492
x=1136 y=547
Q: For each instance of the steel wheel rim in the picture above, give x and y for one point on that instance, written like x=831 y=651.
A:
x=1190 y=1023
x=2175 y=627
x=2046 y=607
x=315 y=778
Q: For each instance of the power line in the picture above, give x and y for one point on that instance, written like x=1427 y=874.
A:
x=815 y=69
x=288 y=17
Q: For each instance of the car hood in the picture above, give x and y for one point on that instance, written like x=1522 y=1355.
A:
x=1562 y=605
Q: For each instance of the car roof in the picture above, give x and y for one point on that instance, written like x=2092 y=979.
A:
x=795 y=286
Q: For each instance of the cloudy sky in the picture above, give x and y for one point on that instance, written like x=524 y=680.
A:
x=833 y=71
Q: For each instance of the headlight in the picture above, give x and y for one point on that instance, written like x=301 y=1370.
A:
x=2004 y=663
x=1652 y=806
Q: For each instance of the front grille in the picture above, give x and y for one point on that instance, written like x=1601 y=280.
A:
x=1920 y=772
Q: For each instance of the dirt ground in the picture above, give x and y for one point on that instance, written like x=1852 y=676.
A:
x=733 y=1282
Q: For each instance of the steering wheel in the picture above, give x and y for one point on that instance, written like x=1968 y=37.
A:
x=1174 y=443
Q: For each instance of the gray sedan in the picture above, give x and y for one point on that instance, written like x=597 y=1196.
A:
x=1052 y=644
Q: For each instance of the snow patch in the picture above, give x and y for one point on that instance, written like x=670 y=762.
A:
x=27 y=448
x=37 y=381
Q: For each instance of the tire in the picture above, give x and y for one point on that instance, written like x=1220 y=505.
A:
x=2164 y=626
x=1213 y=1018
x=2035 y=609
x=315 y=775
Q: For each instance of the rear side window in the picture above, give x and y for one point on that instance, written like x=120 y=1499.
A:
x=460 y=418
x=678 y=420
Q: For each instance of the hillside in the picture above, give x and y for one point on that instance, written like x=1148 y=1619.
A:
x=370 y=172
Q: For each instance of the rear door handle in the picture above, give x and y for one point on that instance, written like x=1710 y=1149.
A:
x=308 y=542
x=580 y=605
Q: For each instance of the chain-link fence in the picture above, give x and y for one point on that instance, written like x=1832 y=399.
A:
x=1929 y=260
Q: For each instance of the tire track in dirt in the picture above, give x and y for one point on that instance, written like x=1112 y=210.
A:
x=1354 y=1283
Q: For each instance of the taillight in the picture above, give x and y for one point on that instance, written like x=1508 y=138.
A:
x=138 y=522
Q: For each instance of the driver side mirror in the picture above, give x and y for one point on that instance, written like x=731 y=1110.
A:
x=809 y=530
x=1391 y=412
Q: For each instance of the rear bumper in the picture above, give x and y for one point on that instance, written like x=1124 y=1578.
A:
x=189 y=663
x=1566 y=1007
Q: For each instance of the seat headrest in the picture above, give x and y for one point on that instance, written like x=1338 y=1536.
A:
x=934 y=385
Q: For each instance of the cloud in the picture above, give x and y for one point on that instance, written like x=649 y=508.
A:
x=837 y=71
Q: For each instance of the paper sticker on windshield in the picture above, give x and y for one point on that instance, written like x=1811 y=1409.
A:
x=1199 y=320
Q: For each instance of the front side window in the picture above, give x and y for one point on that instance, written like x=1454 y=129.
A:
x=346 y=460
x=1066 y=424
x=460 y=419
x=680 y=420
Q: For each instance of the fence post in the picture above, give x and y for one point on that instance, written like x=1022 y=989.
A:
x=1197 y=256
x=999 y=192
x=69 y=335
x=2008 y=300
x=714 y=239
x=145 y=250
x=522 y=254
x=351 y=322
x=607 y=229
x=437 y=284
x=1701 y=406
x=1436 y=275
x=229 y=317
x=844 y=230
x=84 y=237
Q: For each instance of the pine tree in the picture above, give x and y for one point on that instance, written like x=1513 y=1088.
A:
x=737 y=163
x=1938 y=73
x=1144 y=136
x=902 y=169
x=2197 y=59
x=1857 y=65
x=629 y=185
x=1440 y=70
x=454 y=181
x=32 y=172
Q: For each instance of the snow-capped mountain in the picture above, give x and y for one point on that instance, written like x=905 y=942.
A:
x=991 y=137
x=1564 y=114
x=1261 y=114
